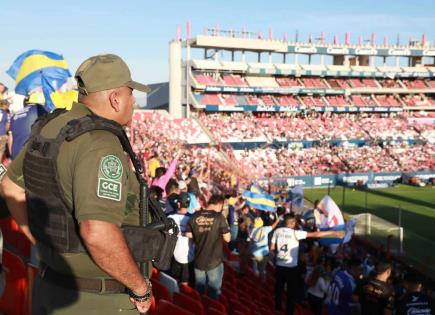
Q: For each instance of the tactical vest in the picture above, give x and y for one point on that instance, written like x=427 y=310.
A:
x=51 y=219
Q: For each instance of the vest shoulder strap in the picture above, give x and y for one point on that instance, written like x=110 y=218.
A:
x=80 y=126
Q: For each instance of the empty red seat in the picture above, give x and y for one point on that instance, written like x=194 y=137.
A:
x=165 y=307
x=188 y=303
x=209 y=302
x=213 y=311
x=160 y=291
x=236 y=306
x=224 y=300
x=190 y=292
x=14 y=237
x=15 y=297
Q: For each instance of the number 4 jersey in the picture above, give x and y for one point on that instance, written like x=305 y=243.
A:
x=287 y=246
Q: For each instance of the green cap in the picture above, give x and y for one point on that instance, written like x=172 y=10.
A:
x=105 y=72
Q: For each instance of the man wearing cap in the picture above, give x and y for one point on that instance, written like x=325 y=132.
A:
x=86 y=265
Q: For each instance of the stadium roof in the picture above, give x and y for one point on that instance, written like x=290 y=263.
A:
x=158 y=97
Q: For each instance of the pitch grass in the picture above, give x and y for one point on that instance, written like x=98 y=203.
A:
x=417 y=206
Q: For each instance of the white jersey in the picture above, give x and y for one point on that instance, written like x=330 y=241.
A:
x=287 y=246
x=184 y=251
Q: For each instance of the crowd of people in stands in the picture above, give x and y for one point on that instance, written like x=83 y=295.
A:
x=197 y=187
x=310 y=82
x=358 y=100
x=280 y=249
x=161 y=136
x=237 y=127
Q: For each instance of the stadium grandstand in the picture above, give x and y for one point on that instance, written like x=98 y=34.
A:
x=341 y=108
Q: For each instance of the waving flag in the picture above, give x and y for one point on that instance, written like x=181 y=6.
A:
x=37 y=69
x=260 y=201
x=257 y=190
x=334 y=220
x=296 y=196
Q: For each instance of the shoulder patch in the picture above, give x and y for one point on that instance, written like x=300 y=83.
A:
x=111 y=167
x=2 y=170
x=109 y=189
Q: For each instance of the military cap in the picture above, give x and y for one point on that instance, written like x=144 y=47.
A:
x=105 y=72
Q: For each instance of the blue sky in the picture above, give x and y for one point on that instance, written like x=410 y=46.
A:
x=140 y=30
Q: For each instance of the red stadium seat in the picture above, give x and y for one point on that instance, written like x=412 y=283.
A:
x=188 y=303
x=165 y=307
x=15 y=297
x=189 y=291
x=236 y=306
x=224 y=300
x=213 y=311
x=160 y=291
x=209 y=302
x=14 y=237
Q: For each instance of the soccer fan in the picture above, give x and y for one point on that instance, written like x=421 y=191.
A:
x=414 y=302
x=172 y=194
x=341 y=293
x=259 y=245
x=21 y=125
x=208 y=228
x=317 y=288
x=184 y=250
x=378 y=295
x=4 y=126
x=285 y=245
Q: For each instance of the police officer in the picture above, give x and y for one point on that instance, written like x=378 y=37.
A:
x=71 y=198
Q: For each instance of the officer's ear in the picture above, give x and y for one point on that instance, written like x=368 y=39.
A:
x=115 y=100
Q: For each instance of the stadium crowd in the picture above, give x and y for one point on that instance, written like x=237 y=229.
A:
x=238 y=127
x=267 y=251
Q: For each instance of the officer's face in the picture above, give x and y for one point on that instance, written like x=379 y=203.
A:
x=127 y=101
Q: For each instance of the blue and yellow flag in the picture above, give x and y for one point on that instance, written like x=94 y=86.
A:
x=260 y=201
x=36 y=68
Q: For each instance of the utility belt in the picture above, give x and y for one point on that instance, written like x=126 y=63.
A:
x=101 y=286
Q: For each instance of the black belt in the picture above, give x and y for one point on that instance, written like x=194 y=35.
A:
x=82 y=284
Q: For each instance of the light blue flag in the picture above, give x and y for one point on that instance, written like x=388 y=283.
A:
x=35 y=69
x=258 y=201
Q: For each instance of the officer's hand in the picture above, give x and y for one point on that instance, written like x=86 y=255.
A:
x=142 y=307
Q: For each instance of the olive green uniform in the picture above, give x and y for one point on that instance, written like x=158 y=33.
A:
x=99 y=184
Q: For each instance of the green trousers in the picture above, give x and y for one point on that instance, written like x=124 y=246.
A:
x=49 y=299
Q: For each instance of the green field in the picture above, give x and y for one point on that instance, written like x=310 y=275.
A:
x=417 y=206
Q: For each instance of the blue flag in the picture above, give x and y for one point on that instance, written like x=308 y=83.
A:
x=296 y=196
x=36 y=69
x=260 y=201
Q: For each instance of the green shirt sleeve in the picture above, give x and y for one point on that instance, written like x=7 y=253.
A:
x=15 y=169
x=100 y=185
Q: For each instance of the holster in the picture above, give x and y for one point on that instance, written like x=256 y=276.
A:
x=154 y=243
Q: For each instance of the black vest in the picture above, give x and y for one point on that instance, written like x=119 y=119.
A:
x=52 y=221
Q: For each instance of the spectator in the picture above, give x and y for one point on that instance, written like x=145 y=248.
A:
x=21 y=125
x=163 y=176
x=285 y=242
x=259 y=237
x=172 y=194
x=153 y=164
x=209 y=228
x=193 y=189
x=184 y=250
x=342 y=291
x=317 y=288
x=414 y=302
x=245 y=222
x=378 y=295
x=4 y=126
x=182 y=186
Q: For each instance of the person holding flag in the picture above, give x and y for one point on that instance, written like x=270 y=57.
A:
x=259 y=237
x=285 y=245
